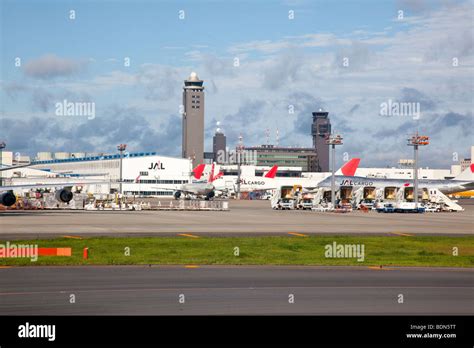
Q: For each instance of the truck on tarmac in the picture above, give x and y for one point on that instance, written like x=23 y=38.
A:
x=285 y=197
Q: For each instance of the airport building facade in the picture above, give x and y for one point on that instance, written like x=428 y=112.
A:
x=299 y=157
x=143 y=174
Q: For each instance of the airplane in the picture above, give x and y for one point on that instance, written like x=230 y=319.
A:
x=270 y=182
x=247 y=183
x=8 y=198
x=461 y=183
x=64 y=194
x=216 y=183
x=198 y=188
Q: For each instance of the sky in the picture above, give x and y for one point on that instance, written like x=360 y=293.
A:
x=266 y=66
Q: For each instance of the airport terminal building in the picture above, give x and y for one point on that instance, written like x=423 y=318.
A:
x=144 y=173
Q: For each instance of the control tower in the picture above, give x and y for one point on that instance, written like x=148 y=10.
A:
x=193 y=119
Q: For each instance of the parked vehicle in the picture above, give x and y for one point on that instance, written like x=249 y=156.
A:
x=285 y=197
x=288 y=204
x=386 y=208
x=304 y=201
x=409 y=207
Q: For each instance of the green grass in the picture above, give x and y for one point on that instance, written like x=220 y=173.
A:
x=281 y=250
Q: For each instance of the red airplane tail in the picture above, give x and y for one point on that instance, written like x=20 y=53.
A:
x=217 y=176
x=272 y=172
x=211 y=174
x=197 y=172
x=213 y=177
x=350 y=167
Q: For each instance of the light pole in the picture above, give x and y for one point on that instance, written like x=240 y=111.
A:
x=333 y=140
x=239 y=149
x=2 y=146
x=415 y=141
x=121 y=148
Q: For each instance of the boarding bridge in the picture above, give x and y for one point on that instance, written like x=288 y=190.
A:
x=438 y=197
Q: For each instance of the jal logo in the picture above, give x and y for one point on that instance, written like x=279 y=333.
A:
x=346 y=182
x=251 y=182
x=156 y=166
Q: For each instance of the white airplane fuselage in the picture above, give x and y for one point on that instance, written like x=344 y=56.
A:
x=445 y=186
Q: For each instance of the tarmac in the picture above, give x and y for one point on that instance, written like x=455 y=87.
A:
x=230 y=290
x=245 y=218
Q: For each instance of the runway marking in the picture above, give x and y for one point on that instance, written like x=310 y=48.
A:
x=380 y=268
x=298 y=234
x=5 y=266
x=72 y=237
x=191 y=266
x=236 y=288
x=402 y=234
x=187 y=235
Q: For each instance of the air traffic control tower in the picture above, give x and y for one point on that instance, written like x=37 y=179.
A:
x=193 y=119
x=320 y=128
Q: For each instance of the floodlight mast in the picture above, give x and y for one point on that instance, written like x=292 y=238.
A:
x=333 y=140
x=416 y=140
x=121 y=148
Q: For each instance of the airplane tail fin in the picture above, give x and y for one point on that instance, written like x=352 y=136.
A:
x=197 y=172
x=272 y=172
x=217 y=176
x=349 y=168
x=467 y=174
x=211 y=174
x=213 y=177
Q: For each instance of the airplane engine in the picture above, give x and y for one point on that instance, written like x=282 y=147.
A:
x=7 y=198
x=177 y=194
x=64 y=195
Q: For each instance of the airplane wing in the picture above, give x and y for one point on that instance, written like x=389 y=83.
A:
x=5 y=167
x=57 y=184
x=172 y=189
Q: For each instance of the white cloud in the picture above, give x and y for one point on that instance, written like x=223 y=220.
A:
x=51 y=66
